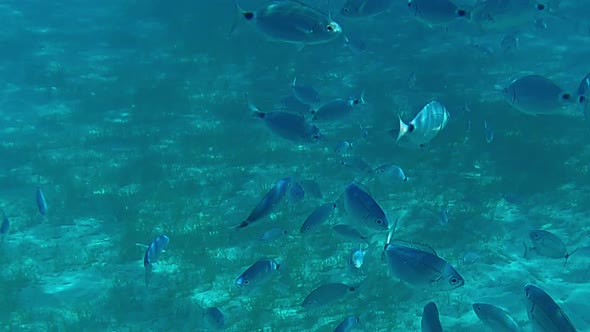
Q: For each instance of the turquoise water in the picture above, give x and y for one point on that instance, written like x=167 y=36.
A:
x=131 y=118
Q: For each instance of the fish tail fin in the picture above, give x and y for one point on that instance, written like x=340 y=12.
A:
x=237 y=13
x=526 y=250
x=403 y=128
x=255 y=111
x=243 y=224
x=568 y=255
x=294 y=82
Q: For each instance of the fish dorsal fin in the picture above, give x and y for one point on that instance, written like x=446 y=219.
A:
x=415 y=245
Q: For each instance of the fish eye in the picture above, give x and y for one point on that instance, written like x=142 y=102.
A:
x=329 y=28
x=246 y=282
x=379 y=221
x=345 y=10
x=454 y=281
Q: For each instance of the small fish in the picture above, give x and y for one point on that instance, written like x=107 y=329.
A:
x=319 y=216
x=343 y=147
x=288 y=126
x=430 y=321
x=158 y=245
x=509 y=42
x=443 y=218
x=502 y=15
x=349 y=233
x=364 y=8
x=548 y=245
x=361 y=206
x=290 y=22
x=495 y=318
x=348 y=324
x=357 y=164
x=536 y=94
x=357 y=257
x=421 y=267
x=544 y=314
x=470 y=258
x=436 y=12
x=41 y=202
x=305 y=93
x=214 y=318
x=312 y=187
x=337 y=109
x=258 y=273
x=425 y=125
x=293 y=105
x=391 y=172
x=296 y=193
x=273 y=234
x=268 y=203
x=327 y=294
x=488 y=132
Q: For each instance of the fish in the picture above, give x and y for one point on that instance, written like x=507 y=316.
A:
x=305 y=93
x=258 y=273
x=443 y=218
x=158 y=245
x=544 y=314
x=290 y=22
x=273 y=234
x=502 y=15
x=4 y=227
x=509 y=42
x=421 y=267
x=41 y=202
x=470 y=258
x=347 y=324
x=295 y=194
x=343 y=147
x=319 y=216
x=290 y=127
x=391 y=172
x=436 y=12
x=312 y=187
x=337 y=109
x=430 y=321
x=327 y=294
x=268 y=203
x=357 y=164
x=548 y=245
x=362 y=207
x=583 y=94
x=536 y=94
x=349 y=233
x=495 y=318
x=357 y=257
x=488 y=132
x=214 y=318
x=426 y=124
x=364 y=8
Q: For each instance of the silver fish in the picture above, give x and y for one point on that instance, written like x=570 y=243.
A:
x=548 y=244
x=349 y=233
x=426 y=124
x=268 y=203
x=347 y=324
x=257 y=274
x=343 y=147
x=317 y=217
x=364 y=8
x=502 y=15
x=509 y=42
x=152 y=254
x=305 y=93
x=337 y=109
x=391 y=172
x=436 y=12
x=430 y=321
x=41 y=202
x=273 y=234
x=361 y=206
x=421 y=268
x=536 y=94
x=357 y=257
x=214 y=318
x=488 y=132
x=291 y=22
x=327 y=294
x=495 y=318
x=544 y=314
